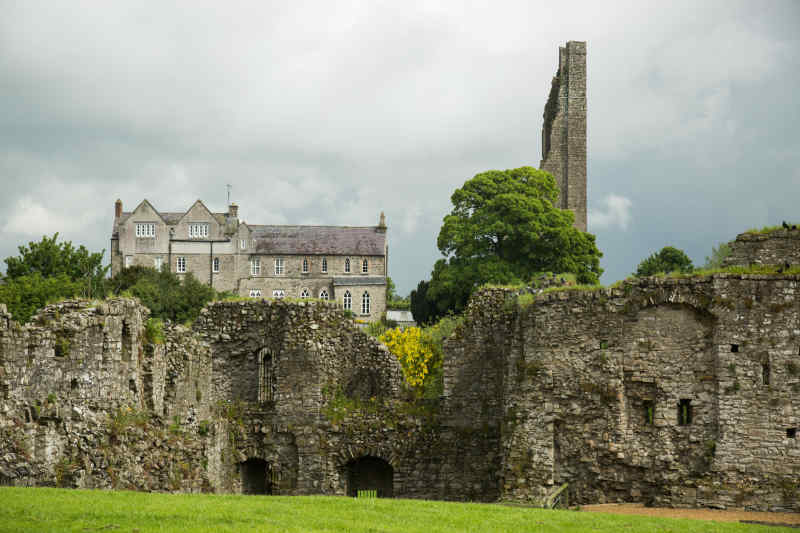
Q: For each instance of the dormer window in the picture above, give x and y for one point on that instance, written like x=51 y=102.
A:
x=243 y=244
x=146 y=230
x=305 y=265
x=364 y=266
x=347 y=265
x=198 y=230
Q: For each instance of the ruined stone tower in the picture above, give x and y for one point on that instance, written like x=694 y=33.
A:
x=564 y=130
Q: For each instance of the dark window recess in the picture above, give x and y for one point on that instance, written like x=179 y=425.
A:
x=73 y=384
x=684 y=412
x=765 y=373
x=649 y=412
x=791 y=433
x=734 y=348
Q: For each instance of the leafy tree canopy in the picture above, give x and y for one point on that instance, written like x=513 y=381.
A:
x=669 y=259
x=504 y=227
x=50 y=258
x=25 y=295
x=718 y=255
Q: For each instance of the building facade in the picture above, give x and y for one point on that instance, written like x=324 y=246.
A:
x=343 y=263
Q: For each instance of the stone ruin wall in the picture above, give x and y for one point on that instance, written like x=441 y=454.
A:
x=773 y=248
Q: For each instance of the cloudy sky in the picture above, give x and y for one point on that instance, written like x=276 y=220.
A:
x=329 y=112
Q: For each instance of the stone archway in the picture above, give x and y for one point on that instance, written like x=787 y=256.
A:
x=370 y=473
x=255 y=476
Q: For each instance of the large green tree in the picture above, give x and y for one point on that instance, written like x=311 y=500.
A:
x=668 y=259
x=504 y=228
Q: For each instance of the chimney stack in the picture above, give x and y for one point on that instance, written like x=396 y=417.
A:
x=382 y=223
x=233 y=211
x=118 y=208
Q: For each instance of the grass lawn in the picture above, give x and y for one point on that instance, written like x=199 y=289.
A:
x=62 y=510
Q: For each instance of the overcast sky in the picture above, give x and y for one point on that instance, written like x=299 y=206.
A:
x=329 y=112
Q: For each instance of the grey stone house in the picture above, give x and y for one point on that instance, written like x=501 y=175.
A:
x=347 y=264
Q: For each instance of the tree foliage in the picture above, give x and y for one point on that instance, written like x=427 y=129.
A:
x=422 y=309
x=50 y=259
x=668 y=259
x=718 y=255
x=164 y=293
x=503 y=228
x=25 y=295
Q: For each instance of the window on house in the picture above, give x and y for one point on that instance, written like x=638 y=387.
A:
x=255 y=266
x=649 y=412
x=180 y=265
x=324 y=265
x=145 y=229
x=684 y=412
x=157 y=263
x=347 y=264
x=128 y=261
x=365 y=303
x=198 y=230
x=364 y=266
x=323 y=294
x=216 y=264
x=305 y=294
x=242 y=244
x=278 y=293
x=279 y=266
x=347 y=300
x=305 y=265
x=255 y=293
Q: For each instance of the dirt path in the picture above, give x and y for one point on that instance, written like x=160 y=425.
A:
x=792 y=519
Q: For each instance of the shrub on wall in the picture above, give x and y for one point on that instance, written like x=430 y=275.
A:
x=412 y=351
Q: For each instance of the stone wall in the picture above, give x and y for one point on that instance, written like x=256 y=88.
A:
x=773 y=248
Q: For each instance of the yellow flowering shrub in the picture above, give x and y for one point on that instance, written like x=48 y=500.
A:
x=411 y=350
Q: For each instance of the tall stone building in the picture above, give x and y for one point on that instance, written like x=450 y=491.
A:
x=564 y=130
x=342 y=263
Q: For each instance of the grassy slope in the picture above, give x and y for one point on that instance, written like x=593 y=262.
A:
x=45 y=510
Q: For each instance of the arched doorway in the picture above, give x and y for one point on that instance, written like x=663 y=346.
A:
x=370 y=473
x=255 y=477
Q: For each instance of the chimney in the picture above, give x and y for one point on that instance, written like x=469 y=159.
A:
x=233 y=211
x=118 y=208
x=382 y=223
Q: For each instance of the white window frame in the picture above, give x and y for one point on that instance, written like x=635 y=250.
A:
x=128 y=261
x=347 y=265
x=215 y=265
x=255 y=293
x=365 y=266
x=305 y=294
x=305 y=265
x=255 y=266
x=365 y=303
x=278 y=294
x=180 y=264
x=323 y=294
x=145 y=230
x=347 y=301
x=324 y=265
x=198 y=230
x=243 y=244
x=157 y=262
x=279 y=270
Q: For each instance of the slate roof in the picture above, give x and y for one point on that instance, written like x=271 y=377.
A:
x=358 y=280
x=318 y=240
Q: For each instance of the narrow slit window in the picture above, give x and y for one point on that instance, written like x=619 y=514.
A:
x=267 y=380
x=684 y=412
x=791 y=433
x=734 y=348
x=649 y=409
x=305 y=265
x=765 y=371
x=347 y=265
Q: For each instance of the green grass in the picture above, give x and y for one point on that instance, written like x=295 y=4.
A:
x=767 y=229
x=62 y=510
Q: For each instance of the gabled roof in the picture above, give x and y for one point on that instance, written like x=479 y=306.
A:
x=319 y=240
x=170 y=218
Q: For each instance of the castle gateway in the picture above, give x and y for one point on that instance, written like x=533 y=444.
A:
x=346 y=264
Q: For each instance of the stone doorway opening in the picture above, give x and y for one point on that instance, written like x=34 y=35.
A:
x=370 y=473
x=255 y=477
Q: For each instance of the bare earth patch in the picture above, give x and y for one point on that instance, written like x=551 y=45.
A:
x=696 y=514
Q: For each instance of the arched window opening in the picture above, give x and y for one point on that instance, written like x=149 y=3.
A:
x=370 y=473
x=256 y=477
x=365 y=266
x=347 y=300
x=305 y=265
x=347 y=264
x=365 y=303
x=324 y=264
x=267 y=380
x=305 y=294
x=323 y=294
